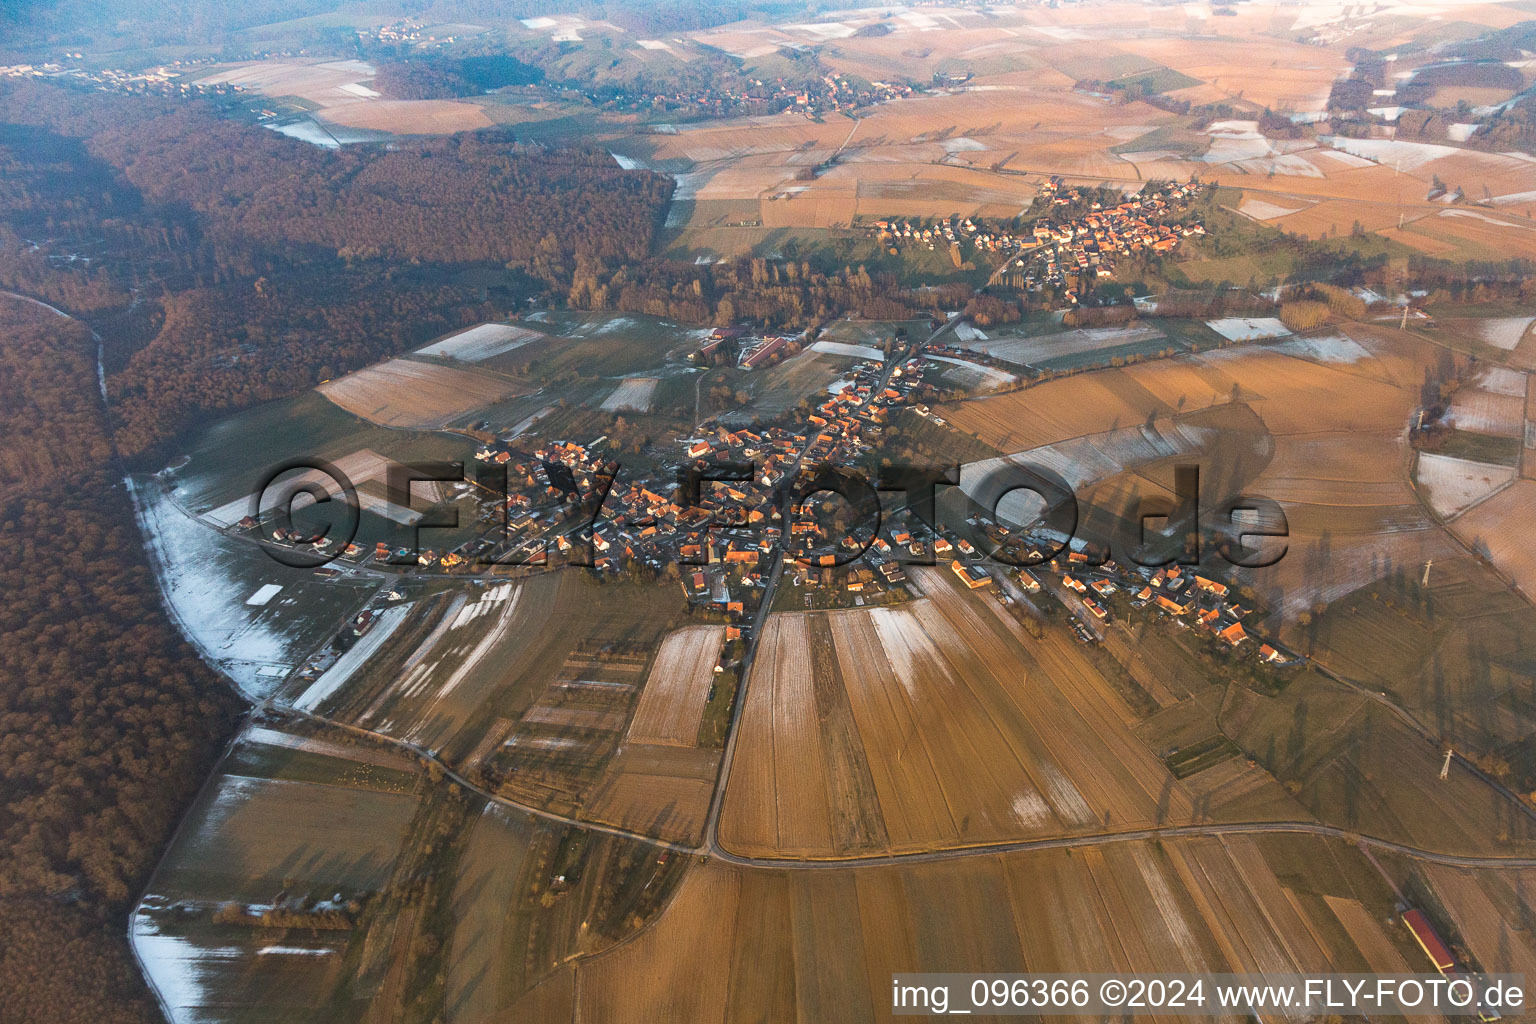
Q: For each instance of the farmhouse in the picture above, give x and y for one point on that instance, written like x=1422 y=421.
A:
x=972 y=576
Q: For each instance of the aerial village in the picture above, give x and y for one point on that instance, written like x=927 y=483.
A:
x=160 y=79
x=564 y=503
x=1056 y=252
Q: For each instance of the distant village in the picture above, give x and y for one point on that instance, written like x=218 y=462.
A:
x=831 y=92
x=1055 y=253
x=162 y=79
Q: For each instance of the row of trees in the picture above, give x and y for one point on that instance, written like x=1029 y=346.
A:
x=775 y=294
x=442 y=77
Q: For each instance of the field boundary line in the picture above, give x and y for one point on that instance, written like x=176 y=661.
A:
x=1093 y=839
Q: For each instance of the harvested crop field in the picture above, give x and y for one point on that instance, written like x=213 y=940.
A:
x=1238 y=328
x=486 y=931
x=822 y=945
x=837 y=348
x=1043 y=348
x=1504 y=332
x=672 y=703
x=426 y=677
x=1480 y=233
x=1290 y=392
x=633 y=395
x=1338 y=468
x=973 y=376
x=1353 y=763
x=252 y=834
x=482 y=677
x=932 y=724
x=1490 y=910
x=364 y=466
x=409 y=117
x=1489 y=412
x=660 y=790
x=326 y=83
x=777 y=389
x=1500 y=528
x=406 y=393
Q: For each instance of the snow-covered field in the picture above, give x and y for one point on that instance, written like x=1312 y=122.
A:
x=1258 y=209
x=183 y=972
x=977 y=374
x=211 y=584
x=267 y=592
x=333 y=678
x=1488 y=412
x=633 y=394
x=359 y=467
x=1405 y=156
x=1505 y=332
x=1453 y=485
x=1332 y=349
x=1038 y=348
x=1501 y=380
x=1083 y=461
x=499 y=606
x=1244 y=328
x=528 y=421
x=481 y=342
x=841 y=348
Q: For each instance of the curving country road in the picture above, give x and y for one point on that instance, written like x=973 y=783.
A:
x=711 y=846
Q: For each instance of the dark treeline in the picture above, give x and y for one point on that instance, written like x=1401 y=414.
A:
x=108 y=719
x=1475 y=282
x=771 y=293
x=441 y=77
x=1511 y=128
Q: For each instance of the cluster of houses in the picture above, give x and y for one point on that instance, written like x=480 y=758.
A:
x=1189 y=599
x=830 y=93
x=835 y=92
x=1064 y=245
x=837 y=432
x=1085 y=586
x=406 y=30
x=895 y=234
x=162 y=79
x=724 y=540
x=1088 y=245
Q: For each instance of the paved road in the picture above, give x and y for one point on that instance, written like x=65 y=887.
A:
x=711 y=847
x=717 y=797
x=422 y=753
x=776 y=576
x=1132 y=836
